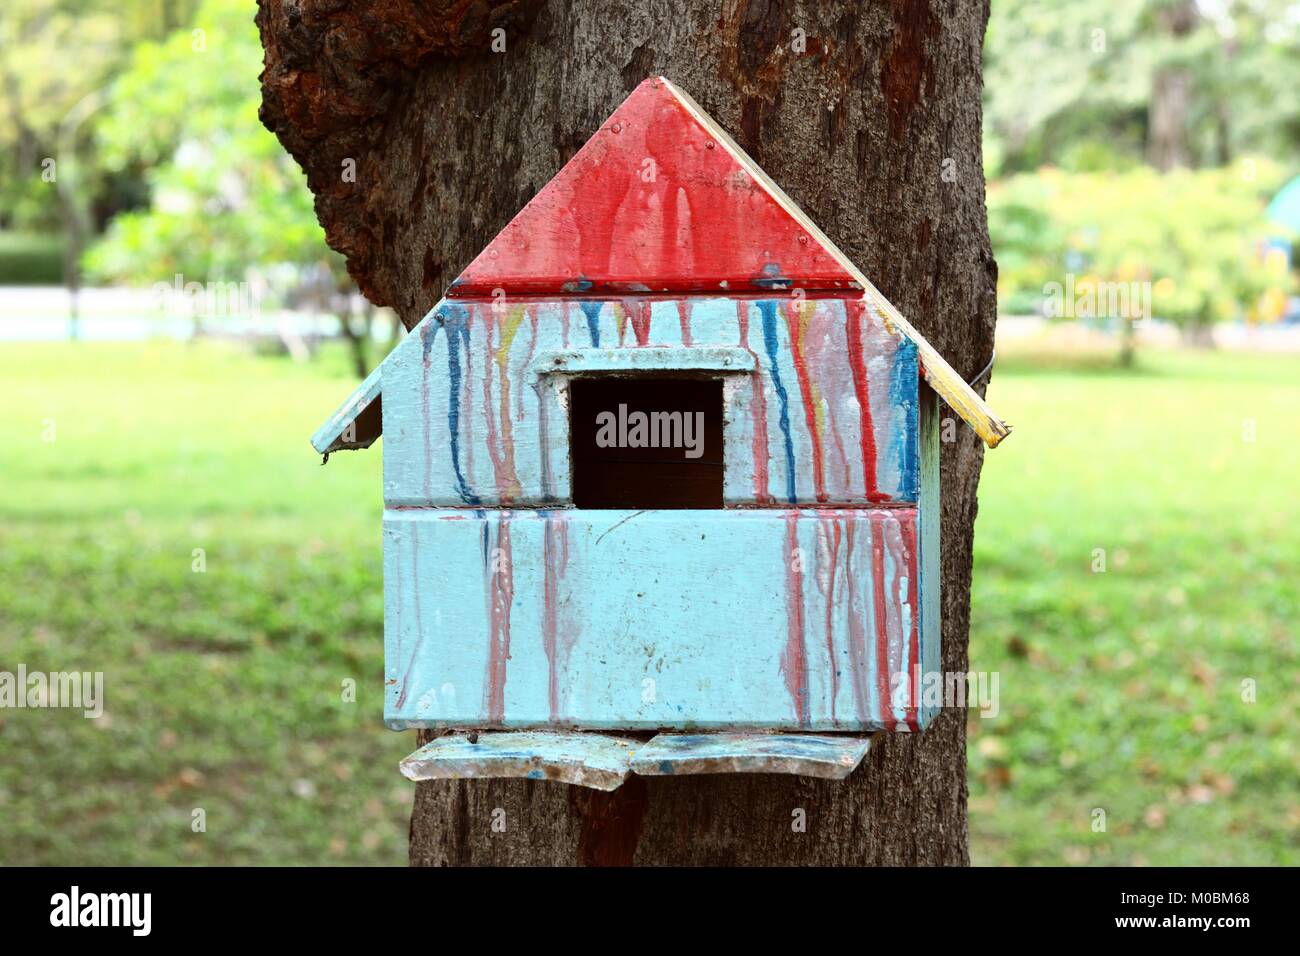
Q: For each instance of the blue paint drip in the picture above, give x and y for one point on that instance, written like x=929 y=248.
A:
x=903 y=395
x=592 y=311
x=456 y=320
x=768 y=309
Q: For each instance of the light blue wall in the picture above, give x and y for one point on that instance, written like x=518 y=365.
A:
x=608 y=619
x=469 y=421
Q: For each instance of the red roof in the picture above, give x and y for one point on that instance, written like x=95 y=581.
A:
x=658 y=200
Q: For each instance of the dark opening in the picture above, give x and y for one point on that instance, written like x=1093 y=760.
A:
x=646 y=442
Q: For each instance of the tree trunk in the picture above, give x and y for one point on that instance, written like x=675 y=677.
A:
x=1171 y=92
x=868 y=114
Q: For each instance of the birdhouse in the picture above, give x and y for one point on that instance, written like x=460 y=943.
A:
x=661 y=481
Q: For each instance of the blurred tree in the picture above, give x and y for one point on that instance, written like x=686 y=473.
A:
x=92 y=39
x=50 y=181
x=223 y=197
x=225 y=202
x=1110 y=82
x=1171 y=85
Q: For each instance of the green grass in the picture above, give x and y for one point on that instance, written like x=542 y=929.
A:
x=224 y=688
x=1122 y=690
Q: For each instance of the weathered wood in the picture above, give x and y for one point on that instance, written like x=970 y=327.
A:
x=341 y=430
x=753 y=619
x=808 y=755
x=603 y=761
x=598 y=761
x=872 y=124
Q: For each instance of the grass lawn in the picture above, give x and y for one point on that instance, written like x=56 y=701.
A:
x=1119 y=690
x=1122 y=691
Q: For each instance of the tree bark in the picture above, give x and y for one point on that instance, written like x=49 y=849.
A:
x=868 y=114
x=1171 y=92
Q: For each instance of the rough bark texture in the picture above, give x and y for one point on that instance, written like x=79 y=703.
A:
x=874 y=129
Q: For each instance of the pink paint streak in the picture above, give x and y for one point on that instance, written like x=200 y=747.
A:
x=555 y=559
x=831 y=532
x=758 y=407
x=501 y=592
x=419 y=624
x=912 y=562
x=825 y=359
x=880 y=604
x=858 y=656
x=794 y=667
x=797 y=332
x=639 y=312
x=684 y=319
x=853 y=335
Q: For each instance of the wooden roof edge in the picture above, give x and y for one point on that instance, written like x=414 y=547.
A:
x=942 y=377
x=333 y=435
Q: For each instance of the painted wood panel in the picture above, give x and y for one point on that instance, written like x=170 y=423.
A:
x=809 y=755
x=756 y=619
x=655 y=201
x=598 y=761
x=603 y=761
x=475 y=408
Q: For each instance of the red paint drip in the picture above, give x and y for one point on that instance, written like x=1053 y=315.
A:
x=853 y=334
x=639 y=312
x=684 y=318
x=826 y=360
x=568 y=304
x=858 y=669
x=797 y=356
x=793 y=665
x=882 y=624
x=831 y=526
x=555 y=544
x=501 y=593
x=912 y=562
x=759 y=409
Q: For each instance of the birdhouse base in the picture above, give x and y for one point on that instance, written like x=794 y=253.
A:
x=604 y=761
